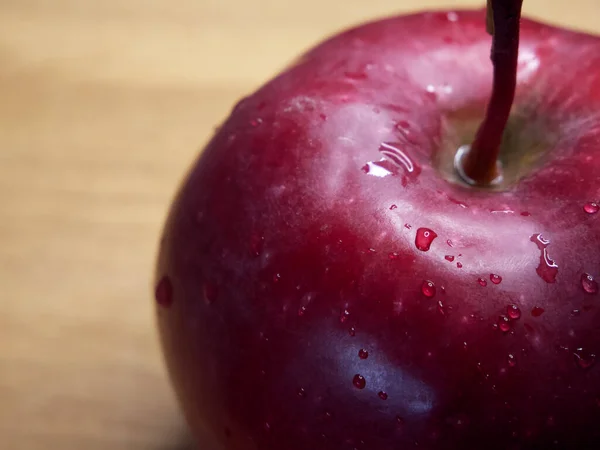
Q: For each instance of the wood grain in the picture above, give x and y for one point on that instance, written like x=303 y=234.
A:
x=103 y=106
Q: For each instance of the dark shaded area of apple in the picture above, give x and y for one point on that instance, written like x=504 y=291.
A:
x=291 y=247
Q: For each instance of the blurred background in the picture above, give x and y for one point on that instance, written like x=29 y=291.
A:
x=103 y=106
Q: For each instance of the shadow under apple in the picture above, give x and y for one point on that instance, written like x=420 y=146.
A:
x=182 y=442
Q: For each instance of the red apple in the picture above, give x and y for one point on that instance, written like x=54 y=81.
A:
x=327 y=282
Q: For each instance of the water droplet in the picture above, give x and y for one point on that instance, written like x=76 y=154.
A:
x=584 y=358
x=424 y=238
x=441 y=308
x=482 y=282
x=359 y=381
x=301 y=393
x=457 y=202
x=399 y=421
x=380 y=169
x=589 y=284
x=496 y=279
x=525 y=214
x=502 y=211
x=536 y=311
x=363 y=354
x=393 y=152
x=428 y=288
x=277 y=278
x=547 y=269
x=591 y=208
x=459 y=265
x=267 y=426
x=449 y=242
x=382 y=395
x=211 y=292
x=449 y=258
x=352 y=331
x=512 y=361
x=301 y=311
x=344 y=316
x=393 y=256
x=393 y=207
x=504 y=324
x=164 y=292
x=513 y=311
x=256 y=122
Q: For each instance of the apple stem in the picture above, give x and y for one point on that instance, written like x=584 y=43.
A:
x=478 y=164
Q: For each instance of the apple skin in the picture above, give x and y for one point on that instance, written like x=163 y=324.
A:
x=282 y=259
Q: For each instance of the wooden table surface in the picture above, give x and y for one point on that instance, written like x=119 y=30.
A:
x=103 y=106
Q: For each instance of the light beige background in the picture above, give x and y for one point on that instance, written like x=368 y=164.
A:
x=103 y=105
